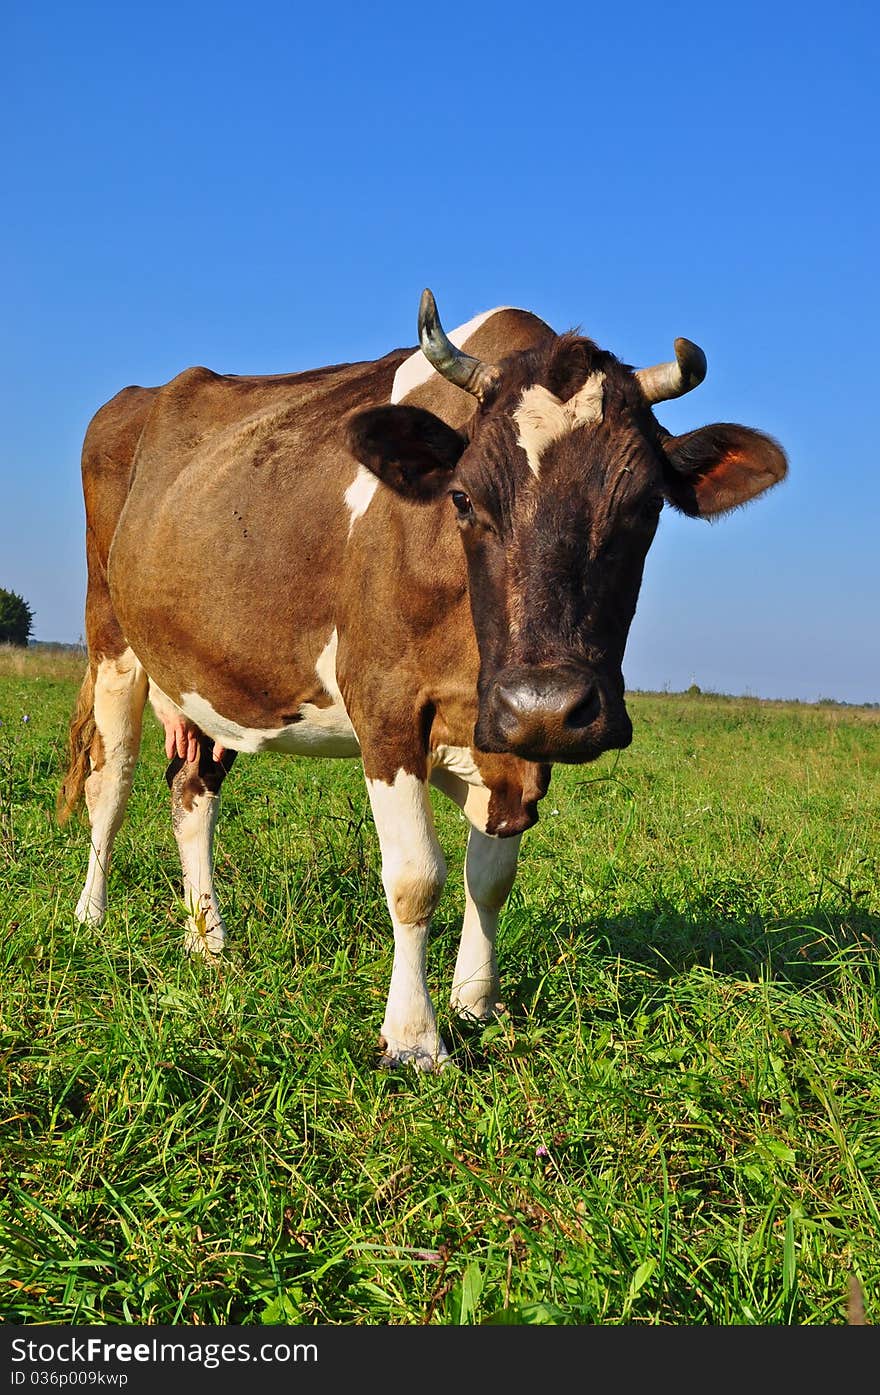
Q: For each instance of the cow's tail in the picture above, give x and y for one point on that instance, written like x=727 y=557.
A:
x=79 y=741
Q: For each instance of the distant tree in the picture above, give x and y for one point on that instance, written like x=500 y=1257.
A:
x=16 y=618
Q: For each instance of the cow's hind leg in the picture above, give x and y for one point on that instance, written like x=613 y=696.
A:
x=120 y=692
x=489 y=873
x=195 y=801
x=413 y=873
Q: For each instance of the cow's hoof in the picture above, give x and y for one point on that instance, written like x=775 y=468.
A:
x=475 y=1008
x=209 y=945
x=393 y=1053
x=89 y=912
x=205 y=932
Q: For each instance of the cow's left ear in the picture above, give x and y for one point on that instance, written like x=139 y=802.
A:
x=719 y=467
x=408 y=448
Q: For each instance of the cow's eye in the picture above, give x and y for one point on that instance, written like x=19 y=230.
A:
x=463 y=506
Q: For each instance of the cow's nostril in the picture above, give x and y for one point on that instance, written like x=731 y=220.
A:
x=554 y=714
x=585 y=712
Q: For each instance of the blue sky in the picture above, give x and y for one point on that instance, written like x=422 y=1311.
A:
x=267 y=188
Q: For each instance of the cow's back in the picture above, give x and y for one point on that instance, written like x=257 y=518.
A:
x=224 y=561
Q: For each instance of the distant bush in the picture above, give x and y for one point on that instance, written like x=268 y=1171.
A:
x=16 y=618
x=695 y=690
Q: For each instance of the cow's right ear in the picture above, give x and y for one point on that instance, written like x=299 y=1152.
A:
x=409 y=449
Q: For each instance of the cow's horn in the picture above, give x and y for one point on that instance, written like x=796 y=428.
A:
x=666 y=380
x=466 y=372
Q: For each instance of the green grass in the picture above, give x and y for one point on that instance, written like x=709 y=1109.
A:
x=676 y=1121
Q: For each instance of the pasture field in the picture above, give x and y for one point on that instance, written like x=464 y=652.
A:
x=676 y=1120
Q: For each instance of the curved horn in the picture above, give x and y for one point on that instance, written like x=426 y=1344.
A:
x=666 y=380
x=469 y=373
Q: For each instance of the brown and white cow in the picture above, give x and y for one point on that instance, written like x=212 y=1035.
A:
x=430 y=561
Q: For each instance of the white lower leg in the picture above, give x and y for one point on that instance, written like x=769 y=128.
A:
x=106 y=795
x=120 y=693
x=409 y=1029
x=490 y=869
x=194 y=817
x=413 y=873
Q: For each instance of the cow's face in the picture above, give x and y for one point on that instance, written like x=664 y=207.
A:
x=557 y=491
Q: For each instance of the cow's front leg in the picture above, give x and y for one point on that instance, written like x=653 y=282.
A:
x=413 y=873
x=489 y=872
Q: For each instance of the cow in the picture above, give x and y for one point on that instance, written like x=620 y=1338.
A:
x=430 y=562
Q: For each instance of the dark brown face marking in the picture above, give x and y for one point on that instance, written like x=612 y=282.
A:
x=561 y=514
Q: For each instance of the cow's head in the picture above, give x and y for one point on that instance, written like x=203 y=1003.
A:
x=557 y=487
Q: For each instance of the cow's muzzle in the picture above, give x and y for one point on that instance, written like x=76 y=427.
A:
x=568 y=713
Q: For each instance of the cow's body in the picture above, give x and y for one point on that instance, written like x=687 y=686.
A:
x=253 y=575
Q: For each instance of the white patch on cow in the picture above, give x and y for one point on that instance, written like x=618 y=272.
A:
x=454 y=771
x=359 y=494
x=166 y=710
x=458 y=759
x=120 y=695
x=325 y=668
x=320 y=731
x=413 y=873
x=416 y=369
x=542 y=418
x=413 y=869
